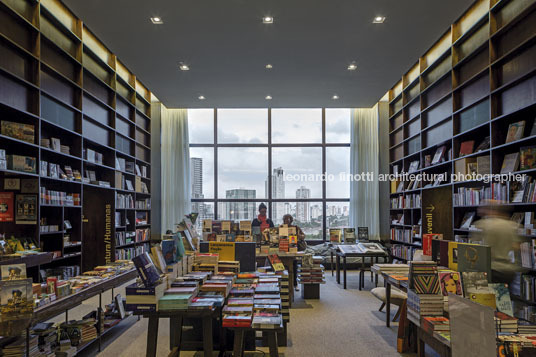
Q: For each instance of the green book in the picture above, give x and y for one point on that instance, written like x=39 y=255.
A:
x=474 y=258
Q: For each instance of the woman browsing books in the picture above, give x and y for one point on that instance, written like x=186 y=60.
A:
x=262 y=220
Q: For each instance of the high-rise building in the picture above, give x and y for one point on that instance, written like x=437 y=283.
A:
x=303 y=213
x=278 y=191
x=239 y=210
x=196 y=182
x=316 y=212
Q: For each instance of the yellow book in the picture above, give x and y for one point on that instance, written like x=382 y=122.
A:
x=453 y=256
x=486 y=299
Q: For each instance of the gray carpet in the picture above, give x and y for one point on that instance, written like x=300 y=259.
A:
x=342 y=323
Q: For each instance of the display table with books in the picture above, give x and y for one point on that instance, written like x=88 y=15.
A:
x=288 y=260
x=362 y=250
x=270 y=332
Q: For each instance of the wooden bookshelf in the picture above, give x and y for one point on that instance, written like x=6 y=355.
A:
x=475 y=81
x=57 y=76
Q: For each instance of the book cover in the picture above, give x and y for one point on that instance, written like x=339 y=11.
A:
x=527 y=157
x=483 y=165
x=466 y=147
x=502 y=298
x=483 y=298
x=474 y=258
x=450 y=282
x=335 y=235
x=467 y=220
x=427 y=242
x=484 y=144
x=26 y=209
x=276 y=263
x=13 y=271
x=510 y=163
x=6 y=206
x=362 y=233
x=439 y=155
x=146 y=269
x=515 y=131
x=453 y=255
x=474 y=281
x=16 y=299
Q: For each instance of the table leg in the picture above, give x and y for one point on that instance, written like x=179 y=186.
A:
x=207 y=336
x=152 y=336
x=362 y=274
x=238 y=343
x=272 y=343
x=388 y=304
x=420 y=345
x=338 y=264
x=344 y=267
x=331 y=257
x=175 y=332
x=291 y=273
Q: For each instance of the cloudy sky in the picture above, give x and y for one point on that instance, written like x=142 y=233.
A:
x=248 y=167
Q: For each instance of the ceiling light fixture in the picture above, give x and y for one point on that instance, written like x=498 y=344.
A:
x=335 y=97
x=378 y=20
x=268 y=97
x=157 y=20
x=201 y=97
x=352 y=67
x=269 y=66
x=267 y=20
x=184 y=67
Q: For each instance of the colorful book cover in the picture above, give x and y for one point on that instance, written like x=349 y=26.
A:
x=474 y=281
x=427 y=242
x=13 y=271
x=450 y=282
x=26 y=209
x=483 y=298
x=426 y=283
x=276 y=262
x=6 y=206
x=466 y=147
x=502 y=298
x=527 y=157
x=515 y=131
x=335 y=235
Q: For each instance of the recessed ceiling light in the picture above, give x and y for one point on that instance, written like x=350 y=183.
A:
x=157 y=20
x=379 y=20
x=184 y=67
x=335 y=97
x=267 y=20
x=201 y=97
x=268 y=97
x=269 y=66
x=352 y=67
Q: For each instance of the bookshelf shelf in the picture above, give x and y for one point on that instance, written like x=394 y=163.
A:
x=64 y=82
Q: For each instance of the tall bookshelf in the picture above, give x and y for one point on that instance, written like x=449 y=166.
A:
x=58 y=77
x=475 y=81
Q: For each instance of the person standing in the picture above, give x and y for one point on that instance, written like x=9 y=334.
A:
x=262 y=220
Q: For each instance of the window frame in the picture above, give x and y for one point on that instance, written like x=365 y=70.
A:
x=269 y=145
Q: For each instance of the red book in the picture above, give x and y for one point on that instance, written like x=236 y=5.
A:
x=466 y=147
x=6 y=206
x=427 y=242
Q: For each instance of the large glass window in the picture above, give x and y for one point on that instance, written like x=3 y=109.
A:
x=293 y=160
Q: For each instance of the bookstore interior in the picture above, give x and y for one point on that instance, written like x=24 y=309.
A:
x=277 y=198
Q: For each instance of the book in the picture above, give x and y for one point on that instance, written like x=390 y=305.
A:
x=26 y=209
x=335 y=235
x=484 y=144
x=20 y=131
x=413 y=166
x=483 y=165
x=502 y=298
x=450 y=282
x=466 y=147
x=13 y=271
x=439 y=155
x=527 y=157
x=510 y=163
x=474 y=258
x=362 y=233
x=467 y=219
x=7 y=206
x=276 y=263
x=453 y=255
x=349 y=235
x=515 y=131
x=146 y=269
x=158 y=258
x=474 y=281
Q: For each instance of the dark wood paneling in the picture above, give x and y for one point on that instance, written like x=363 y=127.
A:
x=60 y=89
x=16 y=31
x=473 y=92
x=518 y=96
x=517 y=66
x=59 y=62
x=473 y=66
x=438 y=113
x=96 y=111
x=516 y=35
x=438 y=91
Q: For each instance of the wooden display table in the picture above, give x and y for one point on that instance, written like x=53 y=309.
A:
x=288 y=260
x=271 y=335
x=176 y=319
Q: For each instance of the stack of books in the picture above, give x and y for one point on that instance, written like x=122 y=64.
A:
x=88 y=333
x=435 y=324
x=17 y=348
x=175 y=302
x=424 y=293
x=420 y=305
x=311 y=271
x=285 y=294
x=239 y=309
x=228 y=266
x=505 y=323
x=267 y=304
x=206 y=262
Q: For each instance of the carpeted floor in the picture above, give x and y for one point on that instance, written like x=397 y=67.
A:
x=342 y=323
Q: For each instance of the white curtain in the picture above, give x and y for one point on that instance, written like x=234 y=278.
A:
x=364 y=158
x=175 y=178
